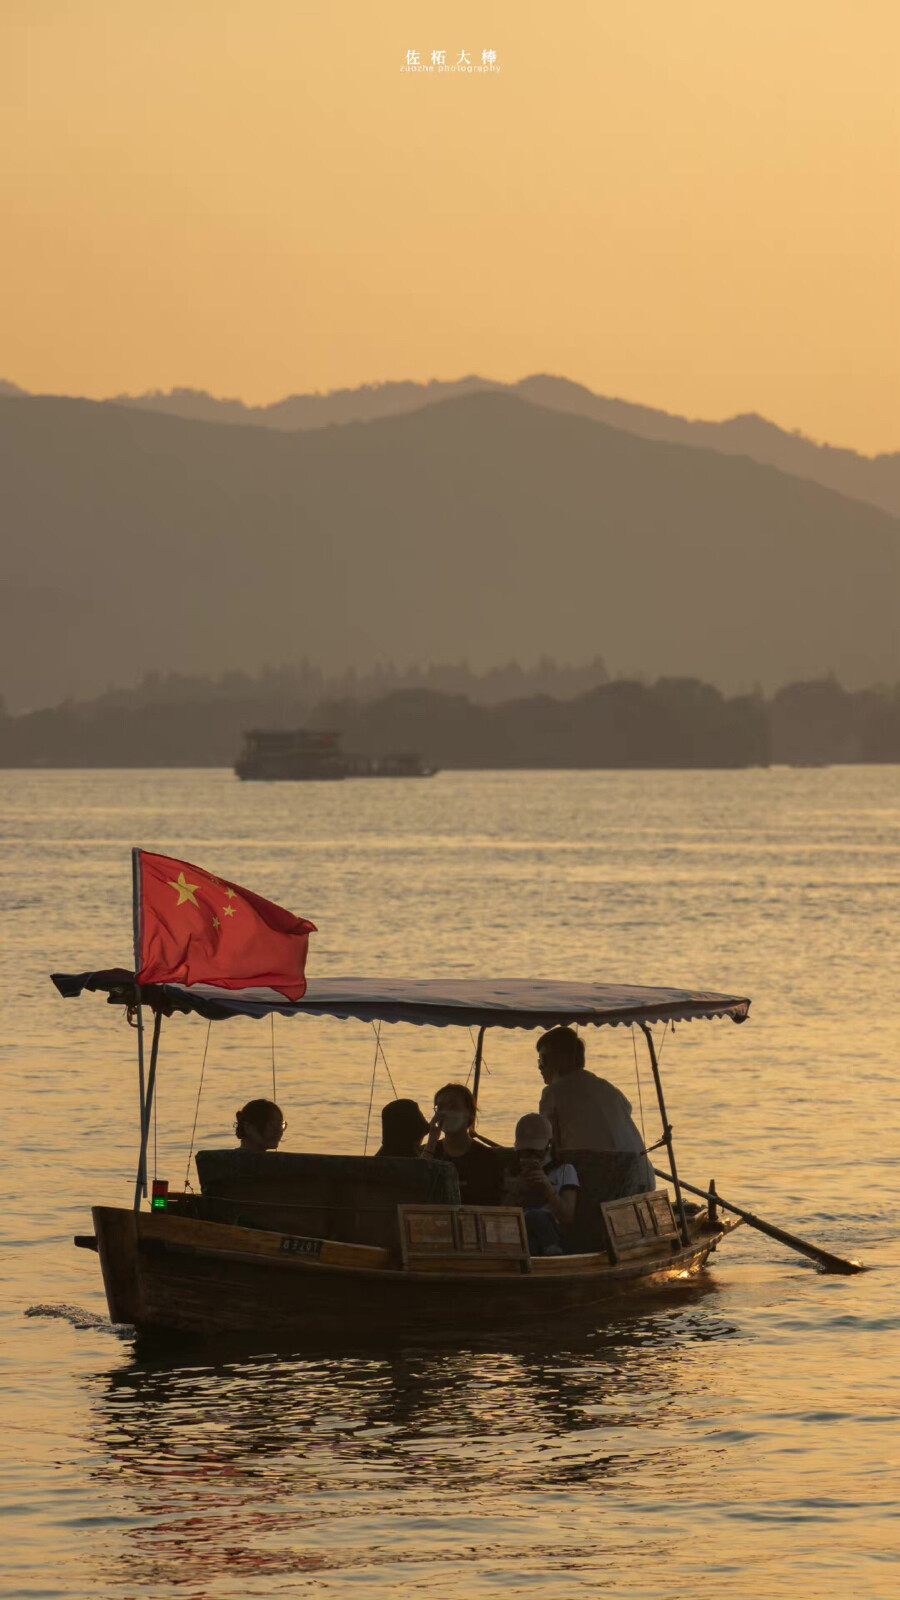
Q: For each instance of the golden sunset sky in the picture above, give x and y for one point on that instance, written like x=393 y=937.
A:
x=689 y=203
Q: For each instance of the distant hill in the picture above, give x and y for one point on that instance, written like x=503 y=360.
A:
x=299 y=411
x=875 y=479
x=481 y=527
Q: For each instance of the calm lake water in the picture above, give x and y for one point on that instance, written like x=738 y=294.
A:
x=737 y=1438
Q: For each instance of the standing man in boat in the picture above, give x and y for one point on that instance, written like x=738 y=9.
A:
x=451 y=1137
x=585 y=1112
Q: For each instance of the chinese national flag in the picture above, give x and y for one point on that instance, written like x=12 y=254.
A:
x=191 y=927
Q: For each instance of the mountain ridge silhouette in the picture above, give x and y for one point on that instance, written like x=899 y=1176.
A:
x=874 y=479
x=483 y=527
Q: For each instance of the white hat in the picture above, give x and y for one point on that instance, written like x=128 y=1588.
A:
x=533 y=1132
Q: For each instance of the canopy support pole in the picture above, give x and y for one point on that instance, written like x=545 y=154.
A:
x=479 y=1048
x=142 y=1175
x=141 y=1181
x=667 y=1135
x=136 y=921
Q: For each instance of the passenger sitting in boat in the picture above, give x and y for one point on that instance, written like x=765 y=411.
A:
x=545 y=1188
x=403 y=1127
x=451 y=1138
x=260 y=1126
x=585 y=1112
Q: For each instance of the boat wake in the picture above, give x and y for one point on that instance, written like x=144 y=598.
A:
x=77 y=1318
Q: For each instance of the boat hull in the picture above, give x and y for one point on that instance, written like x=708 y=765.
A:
x=168 y=1273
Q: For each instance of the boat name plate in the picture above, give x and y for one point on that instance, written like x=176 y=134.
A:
x=301 y=1247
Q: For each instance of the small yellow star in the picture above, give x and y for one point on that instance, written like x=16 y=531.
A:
x=216 y=922
x=230 y=893
x=185 y=890
x=228 y=911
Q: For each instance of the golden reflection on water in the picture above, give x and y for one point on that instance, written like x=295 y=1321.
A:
x=279 y=1465
x=738 y=1437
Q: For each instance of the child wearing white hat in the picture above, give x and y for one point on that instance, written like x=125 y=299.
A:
x=546 y=1189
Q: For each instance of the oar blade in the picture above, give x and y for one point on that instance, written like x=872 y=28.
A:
x=824 y=1259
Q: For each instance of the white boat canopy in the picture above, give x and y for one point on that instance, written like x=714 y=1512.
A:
x=436 y=1002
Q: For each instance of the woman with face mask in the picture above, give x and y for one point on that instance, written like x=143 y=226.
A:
x=451 y=1137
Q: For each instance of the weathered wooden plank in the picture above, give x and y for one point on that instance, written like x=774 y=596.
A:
x=468 y=1266
x=210 y=1237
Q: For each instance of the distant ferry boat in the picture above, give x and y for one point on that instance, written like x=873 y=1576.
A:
x=304 y=754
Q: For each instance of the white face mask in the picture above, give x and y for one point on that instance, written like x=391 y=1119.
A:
x=453 y=1121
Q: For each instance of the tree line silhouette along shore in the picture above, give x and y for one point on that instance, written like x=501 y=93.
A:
x=617 y=723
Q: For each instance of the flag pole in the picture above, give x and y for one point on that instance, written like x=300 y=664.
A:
x=136 y=916
x=141 y=1180
x=142 y=1171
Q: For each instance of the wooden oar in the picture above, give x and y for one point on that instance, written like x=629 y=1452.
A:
x=824 y=1257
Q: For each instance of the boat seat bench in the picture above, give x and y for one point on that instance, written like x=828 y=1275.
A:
x=604 y=1176
x=355 y=1199
x=349 y=1198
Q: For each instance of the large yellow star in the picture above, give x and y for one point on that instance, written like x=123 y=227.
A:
x=185 y=891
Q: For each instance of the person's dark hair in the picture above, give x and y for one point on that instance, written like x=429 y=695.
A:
x=564 y=1047
x=465 y=1094
x=403 y=1127
x=256 y=1114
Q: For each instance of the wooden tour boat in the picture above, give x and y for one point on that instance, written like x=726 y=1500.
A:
x=308 y=1247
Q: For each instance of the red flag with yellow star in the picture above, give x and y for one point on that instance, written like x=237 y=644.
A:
x=191 y=927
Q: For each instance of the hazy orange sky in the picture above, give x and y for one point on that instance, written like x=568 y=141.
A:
x=690 y=203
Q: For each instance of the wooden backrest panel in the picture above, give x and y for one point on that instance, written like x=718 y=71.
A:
x=352 y=1198
x=351 y=1180
x=641 y=1223
x=430 y=1235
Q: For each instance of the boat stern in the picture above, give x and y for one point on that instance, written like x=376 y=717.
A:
x=117 y=1245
